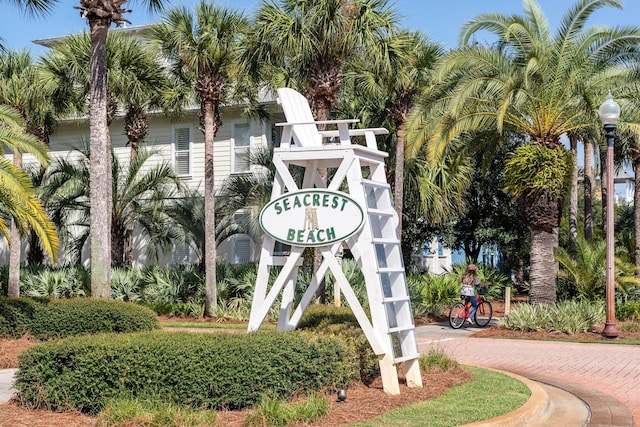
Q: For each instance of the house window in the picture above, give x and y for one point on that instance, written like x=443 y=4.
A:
x=182 y=146
x=241 y=143
x=241 y=252
x=181 y=254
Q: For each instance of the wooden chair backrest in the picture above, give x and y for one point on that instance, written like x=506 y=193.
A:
x=296 y=110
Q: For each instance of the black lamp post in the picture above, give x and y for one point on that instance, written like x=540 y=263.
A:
x=609 y=115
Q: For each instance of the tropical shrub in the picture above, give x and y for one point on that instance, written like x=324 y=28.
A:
x=527 y=317
x=568 y=317
x=53 y=283
x=434 y=290
x=629 y=310
x=571 y=317
x=202 y=371
x=583 y=273
x=125 y=284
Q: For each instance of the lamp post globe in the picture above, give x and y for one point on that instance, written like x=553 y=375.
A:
x=609 y=115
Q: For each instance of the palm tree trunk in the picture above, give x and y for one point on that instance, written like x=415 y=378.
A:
x=573 y=196
x=543 y=267
x=100 y=163
x=14 y=255
x=209 y=209
x=588 y=187
x=398 y=184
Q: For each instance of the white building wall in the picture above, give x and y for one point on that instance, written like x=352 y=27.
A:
x=74 y=134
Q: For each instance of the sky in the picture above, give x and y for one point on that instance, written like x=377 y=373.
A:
x=441 y=20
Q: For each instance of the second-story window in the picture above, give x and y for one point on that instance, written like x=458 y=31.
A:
x=241 y=145
x=182 y=146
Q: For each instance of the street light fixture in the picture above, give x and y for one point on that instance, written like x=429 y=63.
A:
x=609 y=115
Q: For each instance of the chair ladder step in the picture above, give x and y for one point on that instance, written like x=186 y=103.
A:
x=381 y=212
x=395 y=299
x=390 y=270
x=401 y=328
x=377 y=184
x=405 y=358
x=386 y=241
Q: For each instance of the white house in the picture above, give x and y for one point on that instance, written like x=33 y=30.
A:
x=182 y=143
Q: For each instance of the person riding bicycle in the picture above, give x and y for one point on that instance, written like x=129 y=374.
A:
x=470 y=280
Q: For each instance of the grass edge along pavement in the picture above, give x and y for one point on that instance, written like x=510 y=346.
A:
x=490 y=394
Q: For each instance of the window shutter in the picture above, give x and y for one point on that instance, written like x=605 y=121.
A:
x=242 y=249
x=181 y=254
x=241 y=147
x=182 y=150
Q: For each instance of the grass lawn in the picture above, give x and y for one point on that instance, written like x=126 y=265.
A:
x=489 y=395
x=210 y=325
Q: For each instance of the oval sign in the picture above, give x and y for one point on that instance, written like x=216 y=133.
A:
x=313 y=217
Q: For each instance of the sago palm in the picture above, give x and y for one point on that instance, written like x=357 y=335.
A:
x=586 y=271
x=535 y=83
x=142 y=194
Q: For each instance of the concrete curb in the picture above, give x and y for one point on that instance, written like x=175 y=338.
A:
x=605 y=410
x=6 y=384
x=534 y=408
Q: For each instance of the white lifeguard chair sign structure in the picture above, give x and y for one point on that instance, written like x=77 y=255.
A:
x=355 y=209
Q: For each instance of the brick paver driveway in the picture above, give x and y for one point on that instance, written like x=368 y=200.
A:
x=613 y=369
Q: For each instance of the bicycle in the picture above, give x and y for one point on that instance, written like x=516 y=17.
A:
x=460 y=311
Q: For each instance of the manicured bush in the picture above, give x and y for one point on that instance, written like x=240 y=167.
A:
x=203 y=371
x=318 y=315
x=62 y=318
x=16 y=315
x=340 y=322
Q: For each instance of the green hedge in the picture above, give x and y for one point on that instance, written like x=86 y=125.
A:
x=46 y=319
x=341 y=323
x=16 y=315
x=211 y=371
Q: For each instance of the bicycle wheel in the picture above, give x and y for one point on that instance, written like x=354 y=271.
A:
x=483 y=314
x=456 y=315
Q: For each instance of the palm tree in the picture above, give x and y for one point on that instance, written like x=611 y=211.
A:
x=100 y=15
x=397 y=79
x=142 y=196
x=203 y=48
x=585 y=269
x=135 y=81
x=19 y=89
x=308 y=45
x=17 y=197
x=534 y=83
